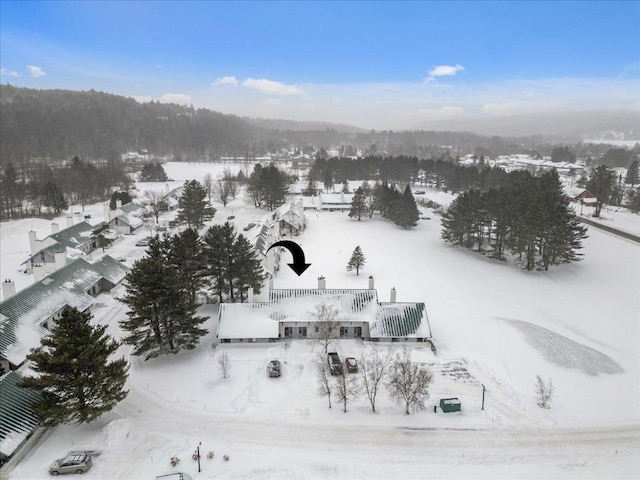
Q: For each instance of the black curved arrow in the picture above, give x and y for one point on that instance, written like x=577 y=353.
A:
x=298 y=265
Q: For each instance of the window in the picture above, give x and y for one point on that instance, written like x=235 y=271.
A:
x=303 y=332
x=358 y=332
x=287 y=332
x=316 y=329
x=344 y=331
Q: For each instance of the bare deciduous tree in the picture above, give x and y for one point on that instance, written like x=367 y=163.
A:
x=232 y=181
x=153 y=200
x=324 y=385
x=207 y=183
x=373 y=367
x=224 y=364
x=346 y=388
x=328 y=327
x=222 y=191
x=544 y=392
x=408 y=382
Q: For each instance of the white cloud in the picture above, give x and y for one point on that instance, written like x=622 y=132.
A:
x=4 y=71
x=36 y=72
x=179 y=98
x=272 y=101
x=443 y=70
x=230 y=80
x=272 y=87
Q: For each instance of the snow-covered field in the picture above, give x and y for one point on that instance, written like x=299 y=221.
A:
x=494 y=324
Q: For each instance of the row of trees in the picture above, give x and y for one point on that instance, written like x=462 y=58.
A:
x=398 y=207
x=528 y=217
x=38 y=189
x=406 y=382
x=164 y=288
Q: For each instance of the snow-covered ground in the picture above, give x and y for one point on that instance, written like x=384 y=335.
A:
x=494 y=324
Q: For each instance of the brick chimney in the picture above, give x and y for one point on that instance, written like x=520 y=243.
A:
x=371 y=283
x=322 y=283
x=393 y=295
x=55 y=228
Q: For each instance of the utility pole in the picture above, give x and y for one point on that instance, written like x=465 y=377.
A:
x=200 y=443
x=483 y=389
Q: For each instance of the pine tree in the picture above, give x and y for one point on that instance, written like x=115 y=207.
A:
x=186 y=255
x=631 y=178
x=358 y=205
x=233 y=266
x=162 y=318
x=600 y=184
x=76 y=380
x=356 y=261
x=248 y=270
x=404 y=211
x=194 y=209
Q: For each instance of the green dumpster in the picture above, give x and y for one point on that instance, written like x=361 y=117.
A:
x=450 y=405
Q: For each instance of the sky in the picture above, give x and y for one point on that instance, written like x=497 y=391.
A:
x=381 y=65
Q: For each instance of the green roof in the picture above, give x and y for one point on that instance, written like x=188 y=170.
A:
x=17 y=419
x=22 y=314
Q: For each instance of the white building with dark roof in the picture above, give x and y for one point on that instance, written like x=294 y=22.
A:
x=26 y=316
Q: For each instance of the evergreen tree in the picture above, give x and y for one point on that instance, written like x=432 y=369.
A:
x=232 y=262
x=162 y=319
x=404 y=209
x=248 y=269
x=356 y=261
x=601 y=184
x=76 y=380
x=194 y=208
x=122 y=196
x=186 y=255
x=328 y=180
x=268 y=187
x=275 y=187
x=54 y=198
x=358 y=205
x=631 y=177
x=153 y=172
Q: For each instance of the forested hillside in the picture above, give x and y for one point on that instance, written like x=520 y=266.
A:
x=61 y=124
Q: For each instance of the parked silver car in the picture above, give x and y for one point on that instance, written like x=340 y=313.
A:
x=72 y=463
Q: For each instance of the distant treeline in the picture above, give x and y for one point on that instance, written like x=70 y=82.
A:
x=61 y=124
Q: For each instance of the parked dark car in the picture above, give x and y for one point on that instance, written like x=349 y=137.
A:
x=335 y=365
x=274 y=368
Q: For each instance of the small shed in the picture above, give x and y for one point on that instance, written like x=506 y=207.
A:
x=450 y=405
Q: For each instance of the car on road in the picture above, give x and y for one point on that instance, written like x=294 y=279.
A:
x=143 y=242
x=274 y=369
x=72 y=463
x=351 y=364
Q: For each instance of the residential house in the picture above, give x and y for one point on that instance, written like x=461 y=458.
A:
x=17 y=418
x=26 y=316
x=289 y=314
x=126 y=218
x=52 y=252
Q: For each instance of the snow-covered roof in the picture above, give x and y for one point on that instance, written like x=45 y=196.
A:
x=22 y=314
x=261 y=320
x=17 y=419
x=71 y=237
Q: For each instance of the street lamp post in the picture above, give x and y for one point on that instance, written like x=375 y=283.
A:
x=198 y=450
x=483 y=389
